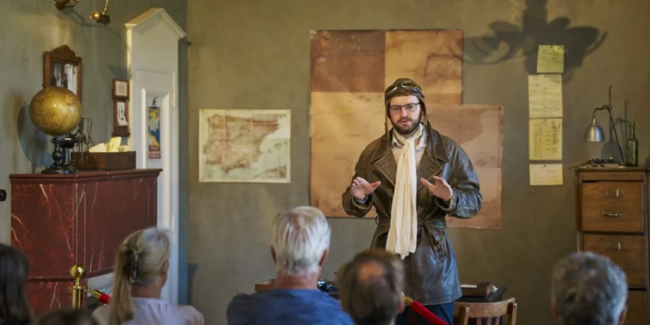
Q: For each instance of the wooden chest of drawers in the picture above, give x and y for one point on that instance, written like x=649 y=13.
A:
x=612 y=220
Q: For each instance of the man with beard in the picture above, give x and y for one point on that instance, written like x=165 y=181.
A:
x=413 y=176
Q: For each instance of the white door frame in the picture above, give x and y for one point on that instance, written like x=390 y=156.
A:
x=152 y=64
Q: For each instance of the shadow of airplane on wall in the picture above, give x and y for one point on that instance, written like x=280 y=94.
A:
x=509 y=39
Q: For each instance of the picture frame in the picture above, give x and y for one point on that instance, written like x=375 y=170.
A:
x=120 y=89
x=121 y=118
x=62 y=68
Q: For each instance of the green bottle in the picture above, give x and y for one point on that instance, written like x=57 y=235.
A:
x=631 y=147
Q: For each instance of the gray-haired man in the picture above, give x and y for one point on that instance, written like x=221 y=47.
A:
x=588 y=289
x=300 y=240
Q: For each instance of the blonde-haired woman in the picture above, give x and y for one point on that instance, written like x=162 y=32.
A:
x=141 y=269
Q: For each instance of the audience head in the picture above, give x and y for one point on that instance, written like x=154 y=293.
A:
x=142 y=260
x=370 y=287
x=588 y=289
x=300 y=240
x=67 y=316
x=14 y=269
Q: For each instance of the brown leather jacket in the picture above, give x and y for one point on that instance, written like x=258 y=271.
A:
x=431 y=272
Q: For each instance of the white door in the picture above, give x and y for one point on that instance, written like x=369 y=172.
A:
x=153 y=74
x=156 y=145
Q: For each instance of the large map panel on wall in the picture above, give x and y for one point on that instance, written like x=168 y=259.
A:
x=479 y=131
x=349 y=72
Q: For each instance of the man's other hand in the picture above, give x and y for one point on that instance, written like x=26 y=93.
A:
x=440 y=189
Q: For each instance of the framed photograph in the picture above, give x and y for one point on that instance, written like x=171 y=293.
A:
x=120 y=118
x=62 y=68
x=120 y=89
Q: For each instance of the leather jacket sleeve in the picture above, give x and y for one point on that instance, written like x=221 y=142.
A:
x=350 y=205
x=467 y=200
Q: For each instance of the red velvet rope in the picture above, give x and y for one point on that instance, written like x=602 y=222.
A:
x=426 y=313
x=104 y=299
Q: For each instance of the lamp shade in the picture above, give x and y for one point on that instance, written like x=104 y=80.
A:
x=594 y=132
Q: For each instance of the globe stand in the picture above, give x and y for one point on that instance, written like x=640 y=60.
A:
x=60 y=155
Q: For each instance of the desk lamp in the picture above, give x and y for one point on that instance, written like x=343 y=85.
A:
x=595 y=133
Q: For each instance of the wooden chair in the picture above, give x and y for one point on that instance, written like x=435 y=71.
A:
x=484 y=312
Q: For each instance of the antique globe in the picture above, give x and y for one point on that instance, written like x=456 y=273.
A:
x=56 y=111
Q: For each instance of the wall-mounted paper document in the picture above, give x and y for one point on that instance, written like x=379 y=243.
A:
x=546 y=174
x=545 y=139
x=545 y=95
x=550 y=59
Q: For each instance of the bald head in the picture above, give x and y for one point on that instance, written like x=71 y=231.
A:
x=370 y=271
x=370 y=287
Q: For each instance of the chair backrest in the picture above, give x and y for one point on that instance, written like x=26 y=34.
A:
x=464 y=311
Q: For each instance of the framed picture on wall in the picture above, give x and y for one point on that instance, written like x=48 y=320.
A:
x=120 y=89
x=120 y=118
x=62 y=68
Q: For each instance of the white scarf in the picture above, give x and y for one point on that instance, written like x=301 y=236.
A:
x=402 y=235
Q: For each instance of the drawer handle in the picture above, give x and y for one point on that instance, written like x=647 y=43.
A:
x=613 y=215
x=614 y=246
x=612 y=193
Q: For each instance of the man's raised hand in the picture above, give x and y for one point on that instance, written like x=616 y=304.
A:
x=360 y=188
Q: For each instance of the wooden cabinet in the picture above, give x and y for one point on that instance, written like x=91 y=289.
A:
x=60 y=220
x=612 y=220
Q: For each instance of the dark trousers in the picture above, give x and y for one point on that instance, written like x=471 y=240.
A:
x=444 y=311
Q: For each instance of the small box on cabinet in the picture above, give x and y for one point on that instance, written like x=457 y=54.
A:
x=104 y=160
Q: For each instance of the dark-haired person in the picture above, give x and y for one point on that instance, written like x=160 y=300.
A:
x=370 y=287
x=14 y=269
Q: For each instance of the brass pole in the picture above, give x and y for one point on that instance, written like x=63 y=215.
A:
x=78 y=272
x=407 y=300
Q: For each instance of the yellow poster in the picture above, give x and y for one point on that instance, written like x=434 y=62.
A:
x=545 y=95
x=550 y=59
x=154 y=130
x=545 y=139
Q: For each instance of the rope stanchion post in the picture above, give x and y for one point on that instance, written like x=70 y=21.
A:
x=78 y=273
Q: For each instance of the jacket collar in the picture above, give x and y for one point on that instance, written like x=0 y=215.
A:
x=432 y=163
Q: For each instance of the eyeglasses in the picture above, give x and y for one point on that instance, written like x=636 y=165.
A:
x=398 y=108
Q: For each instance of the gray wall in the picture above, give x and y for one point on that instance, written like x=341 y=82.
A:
x=29 y=28
x=256 y=54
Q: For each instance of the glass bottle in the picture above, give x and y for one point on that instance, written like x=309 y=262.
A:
x=631 y=147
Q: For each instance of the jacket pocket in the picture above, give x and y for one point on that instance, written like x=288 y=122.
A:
x=439 y=242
